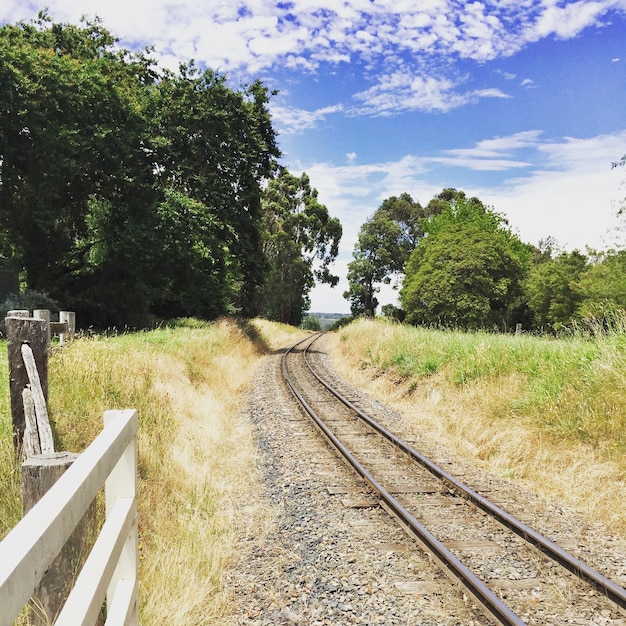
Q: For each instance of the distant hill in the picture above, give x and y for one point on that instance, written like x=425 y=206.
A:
x=326 y=320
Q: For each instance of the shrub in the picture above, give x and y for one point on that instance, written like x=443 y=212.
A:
x=27 y=300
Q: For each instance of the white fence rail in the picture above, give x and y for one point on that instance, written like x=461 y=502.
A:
x=111 y=567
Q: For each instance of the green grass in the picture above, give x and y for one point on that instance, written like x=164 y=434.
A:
x=569 y=387
x=10 y=477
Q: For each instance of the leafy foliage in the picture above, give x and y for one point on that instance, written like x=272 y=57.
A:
x=310 y=322
x=216 y=146
x=71 y=131
x=551 y=289
x=127 y=192
x=467 y=272
x=300 y=241
x=604 y=281
x=385 y=242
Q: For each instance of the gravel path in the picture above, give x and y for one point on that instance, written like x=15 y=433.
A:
x=325 y=561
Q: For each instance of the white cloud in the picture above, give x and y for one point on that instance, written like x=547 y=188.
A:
x=484 y=165
x=292 y=120
x=569 y=20
x=573 y=196
x=412 y=45
x=253 y=35
x=500 y=146
x=507 y=75
x=401 y=91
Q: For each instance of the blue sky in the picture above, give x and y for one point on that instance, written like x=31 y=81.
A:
x=519 y=102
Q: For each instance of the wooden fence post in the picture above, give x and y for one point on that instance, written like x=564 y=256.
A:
x=44 y=314
x=38 y=475
x=69 y=317
x=22 y=330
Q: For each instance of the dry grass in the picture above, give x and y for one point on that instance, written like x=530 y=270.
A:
x=550 y=415
x=276 y=335
x=196 y=451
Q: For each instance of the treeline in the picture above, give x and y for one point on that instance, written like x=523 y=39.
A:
x=458 y=265
x=130 y=193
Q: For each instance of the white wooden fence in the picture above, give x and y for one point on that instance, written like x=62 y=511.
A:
x=110 y=570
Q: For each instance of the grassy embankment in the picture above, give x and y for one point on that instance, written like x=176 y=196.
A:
x=550 y=413
x=196 y=450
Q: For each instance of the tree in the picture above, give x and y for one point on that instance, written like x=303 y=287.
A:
x=217 y=147
x=384 y=244
x=466 y=272
x=127 y=192
x=551 y=289
x=71 y=138
x=300 y=241
x=375 y=254
x=602 y=284
x=192 y=259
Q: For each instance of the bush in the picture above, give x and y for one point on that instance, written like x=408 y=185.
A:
x=310 y=322
x=27 y=300
x=342 y=321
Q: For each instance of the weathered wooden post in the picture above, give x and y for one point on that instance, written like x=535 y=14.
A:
x=38 y=475
x=69 y=319
x=24 y=330
x=28 y=340
x=518 y=329
x=43 y=314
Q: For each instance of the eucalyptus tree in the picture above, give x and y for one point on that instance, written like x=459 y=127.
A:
x=300 y=242
x=384 y=244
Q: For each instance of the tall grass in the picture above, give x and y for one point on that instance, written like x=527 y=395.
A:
x=551 y=411
x=195 y=448
x=10 y=477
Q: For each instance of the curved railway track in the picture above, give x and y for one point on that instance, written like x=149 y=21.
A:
x=508 y=567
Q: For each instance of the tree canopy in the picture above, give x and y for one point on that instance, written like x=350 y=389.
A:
x=461 y=266
x=71 y=134
x=384 y=244
x=300 y=241
x=128 y=192
x=466 y=272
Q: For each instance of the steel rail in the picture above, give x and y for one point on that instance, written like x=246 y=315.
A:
x=611 y=590
x=490 y=602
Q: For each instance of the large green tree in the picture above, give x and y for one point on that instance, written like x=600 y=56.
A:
x=467 y=271
x=217 y=146
x=384 y=244
x=602 y=285
x=125 y=191
x=72 y=134
x=551 y=289
x=300 y=241
x=376 y=253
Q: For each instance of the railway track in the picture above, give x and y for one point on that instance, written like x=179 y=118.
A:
x=516 y=575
